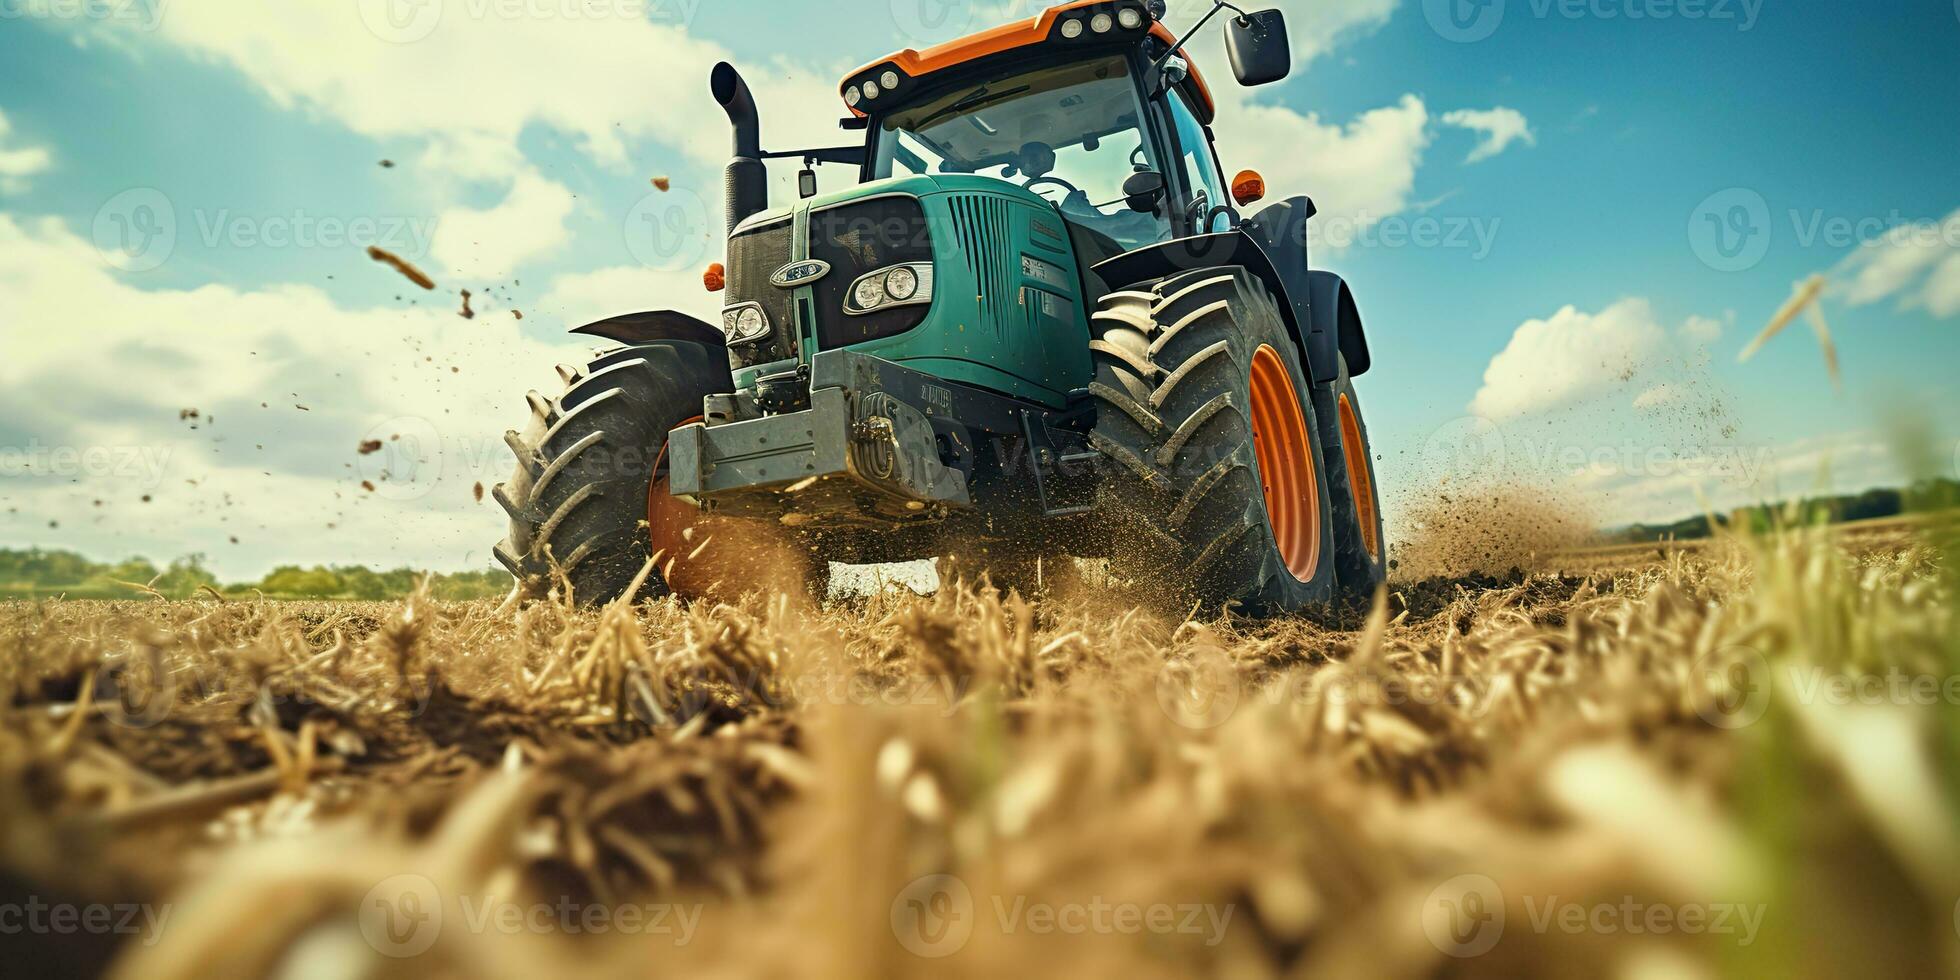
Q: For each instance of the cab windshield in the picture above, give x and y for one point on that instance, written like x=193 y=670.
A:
x=1071 y=134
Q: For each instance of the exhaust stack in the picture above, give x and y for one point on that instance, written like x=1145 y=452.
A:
x=747 y=180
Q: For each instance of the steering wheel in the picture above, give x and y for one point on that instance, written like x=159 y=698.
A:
x=1067 y=188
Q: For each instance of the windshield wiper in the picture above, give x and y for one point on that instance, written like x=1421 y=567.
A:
x=971 y=100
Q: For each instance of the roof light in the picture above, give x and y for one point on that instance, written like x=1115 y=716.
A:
x=889 y=79
x=1130 y=17
x=870 y=90
x=1071 y=28
x=852 y=96
x=1101 y=23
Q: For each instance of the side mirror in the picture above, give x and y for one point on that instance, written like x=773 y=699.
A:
x=806 y=183
x=1257 y=45
x=1144 y=190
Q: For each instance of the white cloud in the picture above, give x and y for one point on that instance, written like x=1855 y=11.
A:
x=491 y=244
x=274 y=476
x=1357 y=174
x=1499 y=126
x=474 y=77
x=18 y=164
x=1568 y=358
x=1918 y=264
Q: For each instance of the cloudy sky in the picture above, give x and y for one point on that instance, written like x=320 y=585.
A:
x=1563 y=221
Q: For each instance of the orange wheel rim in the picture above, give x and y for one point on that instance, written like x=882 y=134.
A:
x=1360 y=484
x=1286 y=464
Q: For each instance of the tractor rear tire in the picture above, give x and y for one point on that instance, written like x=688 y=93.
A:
x=1215 y=490
x=590 y=483
x=1360 y=549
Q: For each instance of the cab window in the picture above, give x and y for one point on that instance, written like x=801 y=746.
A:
x=1069 y=133
x=1201 y=171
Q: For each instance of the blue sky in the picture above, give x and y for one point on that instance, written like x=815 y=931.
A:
x=1563 y=221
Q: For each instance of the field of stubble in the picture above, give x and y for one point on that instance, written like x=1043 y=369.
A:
x=1718 y=761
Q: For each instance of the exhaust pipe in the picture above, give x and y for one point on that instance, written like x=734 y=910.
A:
x=747 y=180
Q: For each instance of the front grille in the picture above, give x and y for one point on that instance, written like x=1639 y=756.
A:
x=753 y=256
x=856 y=239
x=984 y=225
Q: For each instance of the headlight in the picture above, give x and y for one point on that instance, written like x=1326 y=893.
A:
x=1071 y=28
x=900 y=285
x=870 y=90
x=744 y=324
x=852 y=96
x=1101 y=24
x=889 y=79
x=1131 y=18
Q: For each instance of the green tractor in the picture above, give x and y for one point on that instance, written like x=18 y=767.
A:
x=1037 y=328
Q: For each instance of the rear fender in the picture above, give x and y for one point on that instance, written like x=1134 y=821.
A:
x=1336 y=316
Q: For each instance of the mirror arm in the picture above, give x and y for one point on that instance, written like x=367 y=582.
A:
x=1157 y=67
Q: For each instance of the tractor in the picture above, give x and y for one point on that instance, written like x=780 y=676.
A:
x=1042 y=326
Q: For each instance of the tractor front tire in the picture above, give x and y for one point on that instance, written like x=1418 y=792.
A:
x=1215 y=490
x=588 y=503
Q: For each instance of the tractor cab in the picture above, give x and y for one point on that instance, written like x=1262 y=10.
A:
x=1091 y=106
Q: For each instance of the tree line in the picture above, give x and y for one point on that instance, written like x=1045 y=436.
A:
x=36 y=572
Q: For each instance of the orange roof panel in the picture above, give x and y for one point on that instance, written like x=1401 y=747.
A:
x=1007 y=37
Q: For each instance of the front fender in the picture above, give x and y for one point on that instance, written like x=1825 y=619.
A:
x=634 y=329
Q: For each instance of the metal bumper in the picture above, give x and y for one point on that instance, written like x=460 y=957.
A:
x=860 y=451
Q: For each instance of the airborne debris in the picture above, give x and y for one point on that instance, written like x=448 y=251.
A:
x=479 y=492
x=411 y=273
x=387 y=164
x=518 y=314
x=661 y=184
x=466 y=313
x=186 y=414
x=367 y=485
x=370 y=447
